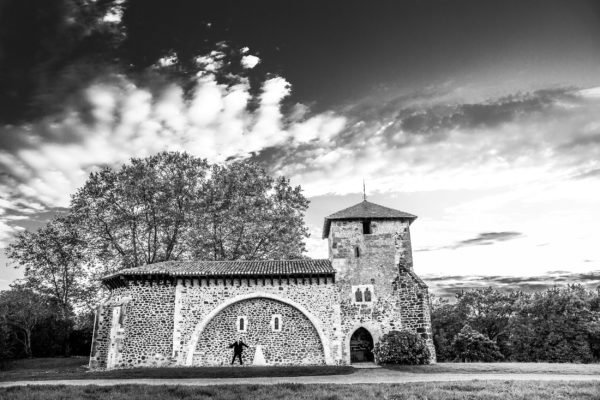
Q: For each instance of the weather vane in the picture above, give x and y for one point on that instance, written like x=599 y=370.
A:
x=364 y=191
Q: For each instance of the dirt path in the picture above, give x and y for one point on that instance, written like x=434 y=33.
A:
x=360 y=376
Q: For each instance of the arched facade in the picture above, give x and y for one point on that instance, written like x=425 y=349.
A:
x=299 y=310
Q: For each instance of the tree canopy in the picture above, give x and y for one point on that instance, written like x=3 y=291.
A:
x=561 y=324
x=53 y=262
x=173 y=206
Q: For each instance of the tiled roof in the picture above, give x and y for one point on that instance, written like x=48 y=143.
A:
x=365 y=210
x=230 y=268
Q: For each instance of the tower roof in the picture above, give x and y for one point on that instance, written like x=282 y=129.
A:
x=365 y=210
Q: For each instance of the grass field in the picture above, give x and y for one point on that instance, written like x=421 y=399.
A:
x=75 y=368
x=506 y=368
x=529 y=390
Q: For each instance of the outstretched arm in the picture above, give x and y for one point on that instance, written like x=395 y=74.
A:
x=244 y=344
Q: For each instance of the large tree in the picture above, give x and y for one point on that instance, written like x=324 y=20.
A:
x=53 y=262
x=139 y=214
x=173 y=206
x=555 y=325
x=244 y=213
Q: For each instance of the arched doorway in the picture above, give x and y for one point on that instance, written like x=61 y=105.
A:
x=361 y=346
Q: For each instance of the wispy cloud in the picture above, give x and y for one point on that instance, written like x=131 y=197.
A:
x=449 y=286
x=417 y=143
x=483 y=239
x=115 y=119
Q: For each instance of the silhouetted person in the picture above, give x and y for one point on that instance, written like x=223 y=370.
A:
x=238 y=348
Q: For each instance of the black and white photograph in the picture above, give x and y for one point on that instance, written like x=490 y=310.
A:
x=299 y=199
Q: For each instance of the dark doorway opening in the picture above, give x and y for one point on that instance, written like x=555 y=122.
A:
x=366 y=227
x=361 y=346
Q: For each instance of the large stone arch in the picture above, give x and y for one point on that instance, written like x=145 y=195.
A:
x=317 y=324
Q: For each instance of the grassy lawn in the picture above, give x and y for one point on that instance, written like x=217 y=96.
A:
x=506 y=368
x=530 y=390
x=75 y=368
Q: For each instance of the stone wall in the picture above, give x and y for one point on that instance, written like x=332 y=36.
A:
x=415 y=312
x=384 y=260
x=296 y=343
x=103 y=332
x=198 y=302
x=143 y=336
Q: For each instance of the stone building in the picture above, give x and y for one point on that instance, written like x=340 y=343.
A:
x=298 y=312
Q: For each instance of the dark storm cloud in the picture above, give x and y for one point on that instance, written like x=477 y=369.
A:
x=468 y=116
x=449 y=286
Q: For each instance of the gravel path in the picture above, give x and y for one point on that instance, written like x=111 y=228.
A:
x=360 y=376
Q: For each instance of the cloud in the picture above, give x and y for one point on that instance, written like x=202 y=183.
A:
x=488 y=238
x=249 y=61
x=418 y=143
x=114 y=119
x=483 y=239
x=449 y=286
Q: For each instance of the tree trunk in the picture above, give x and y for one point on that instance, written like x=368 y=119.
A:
x=28 y=343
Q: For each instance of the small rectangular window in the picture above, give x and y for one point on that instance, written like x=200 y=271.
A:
x=366 y=227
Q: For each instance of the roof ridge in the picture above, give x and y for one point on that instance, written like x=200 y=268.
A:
x=229 y=268
x=225 y=261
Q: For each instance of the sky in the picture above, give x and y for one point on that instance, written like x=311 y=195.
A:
x=480 y=117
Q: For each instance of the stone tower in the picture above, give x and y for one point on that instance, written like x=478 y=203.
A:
x=370 y=249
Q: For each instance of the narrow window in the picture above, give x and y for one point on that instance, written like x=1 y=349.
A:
x=122 y=315
x=366 y=227
x=367 y=295
x=356 y=252
x=242 y=324
x=358 y=296
x=276 y=323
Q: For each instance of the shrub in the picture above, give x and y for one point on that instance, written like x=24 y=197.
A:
x=402 y=347
x=470 y=345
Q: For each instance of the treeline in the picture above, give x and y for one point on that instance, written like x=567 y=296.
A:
x=169 y=206
x=32 y=324
x=555 y=325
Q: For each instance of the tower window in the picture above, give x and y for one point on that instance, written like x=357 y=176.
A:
x=362 y=294
x=356 y=252
x=358 y=296
x=366 y=227
x=367 y=295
